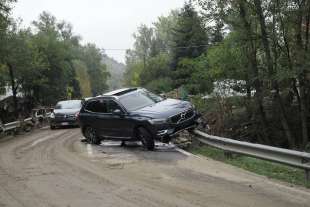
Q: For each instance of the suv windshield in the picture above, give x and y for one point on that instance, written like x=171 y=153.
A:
x=139 y=99
x=68 y=104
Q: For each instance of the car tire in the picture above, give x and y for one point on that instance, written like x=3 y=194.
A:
x=52 y=127
x=166 y=139
x=91 y=136
x=146 y=138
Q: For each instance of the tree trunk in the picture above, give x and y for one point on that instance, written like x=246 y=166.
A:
x=289 y=59
x=302 y=75
x=275 y=86
x=294 y=80
x=303 y=114
x=253 y=72
x=303 y=94
x=248 y=99
x=307 y=28
x=14 y=89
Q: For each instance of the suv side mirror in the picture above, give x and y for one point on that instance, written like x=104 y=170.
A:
x=117 y=112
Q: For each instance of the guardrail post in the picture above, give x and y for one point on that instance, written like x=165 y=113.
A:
x=307 y=174
x=195 y=142
x=228 y=155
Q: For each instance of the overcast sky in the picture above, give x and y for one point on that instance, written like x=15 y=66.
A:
x=107 y=23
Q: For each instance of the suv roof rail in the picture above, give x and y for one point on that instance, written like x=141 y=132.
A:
x=120 y=92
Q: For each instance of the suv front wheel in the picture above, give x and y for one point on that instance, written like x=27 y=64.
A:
x=146 y=138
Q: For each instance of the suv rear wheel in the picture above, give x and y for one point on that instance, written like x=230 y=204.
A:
x=91 y=135
x=146 y=138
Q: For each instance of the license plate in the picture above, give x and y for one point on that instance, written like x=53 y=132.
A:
x=64 y=123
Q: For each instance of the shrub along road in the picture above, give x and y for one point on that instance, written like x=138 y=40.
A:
x=54 y=168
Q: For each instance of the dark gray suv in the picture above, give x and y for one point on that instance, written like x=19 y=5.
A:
x=135 y=114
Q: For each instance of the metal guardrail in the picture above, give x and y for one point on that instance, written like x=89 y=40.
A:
x=38 y=116
x=14 y=125
x=289 y=157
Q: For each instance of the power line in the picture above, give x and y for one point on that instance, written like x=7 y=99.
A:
x=114 y=49
x=180 y=47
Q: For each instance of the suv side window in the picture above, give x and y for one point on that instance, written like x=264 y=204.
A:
x=98 y=106
x=113 y=106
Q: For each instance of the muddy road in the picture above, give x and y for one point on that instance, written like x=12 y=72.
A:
x=54 y=168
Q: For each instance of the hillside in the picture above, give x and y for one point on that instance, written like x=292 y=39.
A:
x=116 y=70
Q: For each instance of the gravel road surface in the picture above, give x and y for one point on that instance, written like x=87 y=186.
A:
x=54 y=168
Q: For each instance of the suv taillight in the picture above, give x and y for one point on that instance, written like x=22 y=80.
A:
x=77 y=114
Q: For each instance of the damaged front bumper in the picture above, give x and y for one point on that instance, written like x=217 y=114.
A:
x=166 y=132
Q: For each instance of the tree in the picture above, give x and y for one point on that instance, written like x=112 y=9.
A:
x=55 y=50
x=143 y=43
x=163 y=31
x=190 y=40
x=161 y=57
x=21 y=61
x=190 y=37
x=47 y=63
x=274 y=37
x=82 y=77
x=5 y=8
x=270 y=69
x=199 y=80
x=91 y=55
x=146 y=62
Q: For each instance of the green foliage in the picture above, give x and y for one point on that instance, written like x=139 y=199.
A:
x=2 y=79
x=163 y=30
x=157 y=66
x=5 y=8
x=160 y=85
x=144 y=42
x=97 y=71
x=48 y=63
x=267 y=46
x=193 y=74
x=82 y=77
x=190 y=37
x=134 y=67
x=116 y=70
x=162 y=58
x=226 y=59
x=190 y=40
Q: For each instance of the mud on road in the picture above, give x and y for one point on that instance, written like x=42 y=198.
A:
x=54 y=168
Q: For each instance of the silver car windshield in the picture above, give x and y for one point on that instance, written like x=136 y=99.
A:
x=74 y=104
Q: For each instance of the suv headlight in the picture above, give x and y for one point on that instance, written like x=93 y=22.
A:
x=158 y=121
x=52 y=116
x=193 y=106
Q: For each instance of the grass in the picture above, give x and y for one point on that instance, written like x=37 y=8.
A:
x=269 y=169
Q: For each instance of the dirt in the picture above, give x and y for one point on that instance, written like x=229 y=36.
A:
x=54 y=168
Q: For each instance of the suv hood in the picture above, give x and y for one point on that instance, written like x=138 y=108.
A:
x=164 y=109
x=66 y=111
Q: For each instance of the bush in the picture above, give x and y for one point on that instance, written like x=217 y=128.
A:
x=160 y=85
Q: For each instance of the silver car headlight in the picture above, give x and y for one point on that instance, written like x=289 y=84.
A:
x=158 y=121
x=52 y=116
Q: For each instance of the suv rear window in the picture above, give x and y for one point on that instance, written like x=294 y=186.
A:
x=102 y=106
x=99 y=106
